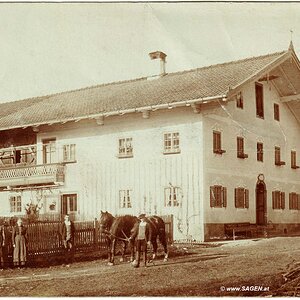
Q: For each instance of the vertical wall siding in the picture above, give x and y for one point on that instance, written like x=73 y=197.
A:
x=101 y=182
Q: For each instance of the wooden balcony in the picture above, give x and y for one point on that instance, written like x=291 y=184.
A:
x=15 y=176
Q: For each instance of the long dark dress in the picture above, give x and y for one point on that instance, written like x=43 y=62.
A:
x=2 y=245
x=19 y=239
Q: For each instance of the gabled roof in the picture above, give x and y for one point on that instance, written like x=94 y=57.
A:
x=197 y=84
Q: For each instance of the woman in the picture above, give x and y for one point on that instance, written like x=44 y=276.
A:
x=2 y=246
x=19 y=240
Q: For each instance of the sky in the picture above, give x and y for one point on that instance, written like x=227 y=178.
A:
x=53 y=47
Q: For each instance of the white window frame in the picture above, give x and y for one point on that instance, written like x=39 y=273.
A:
x=69 y=153
x=16 y=207
x=125 y=198
x=172 y=196
x=49 y=151
x=171 y=142
x=125 y=147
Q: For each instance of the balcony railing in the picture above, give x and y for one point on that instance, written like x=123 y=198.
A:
x=18 y=156
x=32 y=175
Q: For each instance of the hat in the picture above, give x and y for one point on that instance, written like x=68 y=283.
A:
x=141 y=216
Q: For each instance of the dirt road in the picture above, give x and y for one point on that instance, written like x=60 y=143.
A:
x=254 y=267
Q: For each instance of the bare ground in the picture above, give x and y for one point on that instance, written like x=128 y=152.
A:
x=202 y=270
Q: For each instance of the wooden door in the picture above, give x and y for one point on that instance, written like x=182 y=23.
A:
x=261 y=205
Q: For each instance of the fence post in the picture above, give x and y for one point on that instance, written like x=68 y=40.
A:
x=96 y=231
x=171 y=229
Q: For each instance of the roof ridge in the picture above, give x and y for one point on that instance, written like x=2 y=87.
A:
x=229 y=62
x=44 y=97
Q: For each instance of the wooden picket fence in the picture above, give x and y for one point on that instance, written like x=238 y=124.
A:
x=44 y=238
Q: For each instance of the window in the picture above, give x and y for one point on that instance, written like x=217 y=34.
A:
x=294 y=160
x=49 y=151
x=294 y=201
x=260 y=151
x=278 y=161
x=125 y=198
x=278 y=200
x=217 y=145
x=172 y=195
x=239 y=100
x=240 y=148
x=171 y=143
x=259 y=100
x=15 y=204
x=218 y=196
x=241 y=198
x=276 y=111
x=69 y=203
x=69 y=153
x=125 y=147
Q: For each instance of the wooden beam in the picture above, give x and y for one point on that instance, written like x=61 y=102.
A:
x=196 y=108
x=146 y=114
x=289 y=98
x=268 y=78
x=287 y=79
x=294 y=114
x=276 y=88
x=274 y=64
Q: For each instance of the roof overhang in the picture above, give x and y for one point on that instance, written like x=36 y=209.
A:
x=192 y=102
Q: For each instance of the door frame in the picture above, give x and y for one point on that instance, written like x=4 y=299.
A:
x=258 y=190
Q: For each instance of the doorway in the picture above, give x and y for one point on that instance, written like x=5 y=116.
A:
x=69 y=205
x=261 y=203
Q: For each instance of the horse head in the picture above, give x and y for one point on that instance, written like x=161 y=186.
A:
x=106 y=220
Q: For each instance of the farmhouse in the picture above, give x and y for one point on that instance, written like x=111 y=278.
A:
x=213 y=147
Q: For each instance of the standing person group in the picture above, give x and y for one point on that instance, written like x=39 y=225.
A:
x=19 y=236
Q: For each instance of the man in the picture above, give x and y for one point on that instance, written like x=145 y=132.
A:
x=67 y=235
x=141 y=232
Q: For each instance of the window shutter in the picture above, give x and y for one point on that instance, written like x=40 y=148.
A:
x=282 y=200
x=224 y=194
x=298 y=201
x=273 y=199
x=290 y=200
x=212 y=197
x=235 y=197
x=246 y=198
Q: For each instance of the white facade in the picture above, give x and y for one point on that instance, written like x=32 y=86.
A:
x=99 y=175
x=169 y=166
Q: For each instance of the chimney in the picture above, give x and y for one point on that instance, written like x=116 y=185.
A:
x=162 y=56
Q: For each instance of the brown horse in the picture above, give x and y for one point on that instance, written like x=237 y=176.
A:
x=158 y=229
x=119 y=228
